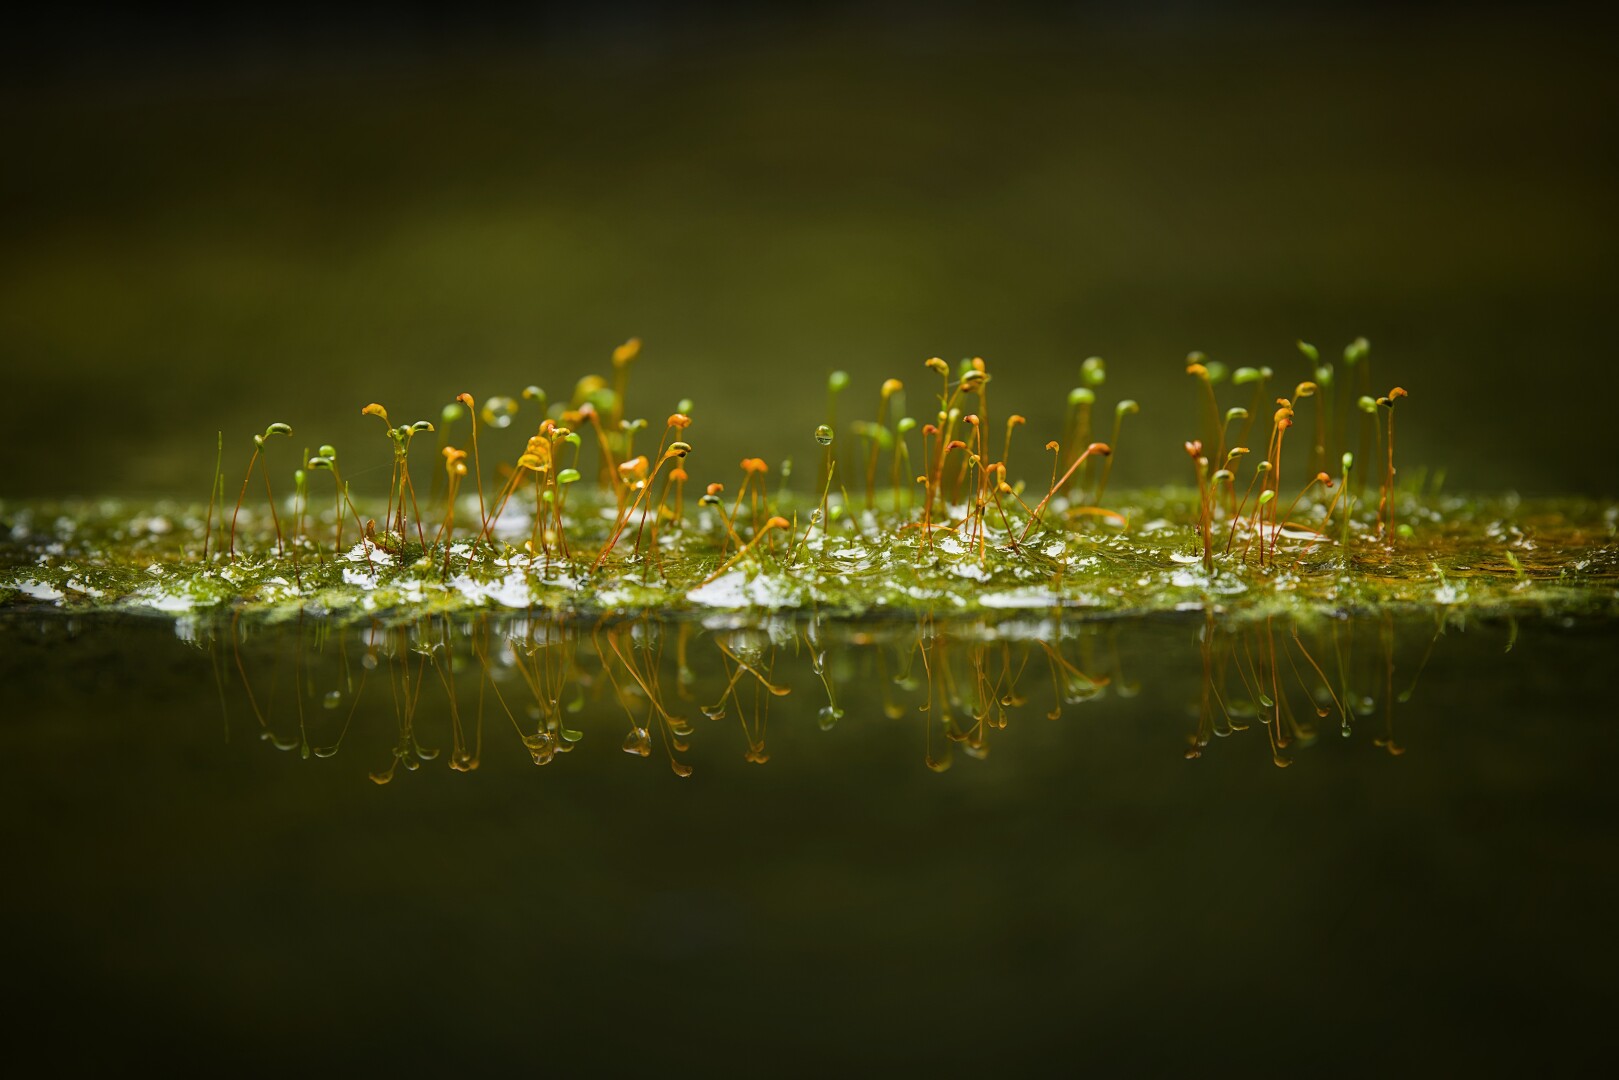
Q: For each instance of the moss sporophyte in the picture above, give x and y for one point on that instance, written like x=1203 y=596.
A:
x=573 y=516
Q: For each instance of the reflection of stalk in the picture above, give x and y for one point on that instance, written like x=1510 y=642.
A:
x=1280 y=740
x=972 y=685
x=1205 y=714
x=832 y=713
x=1387 y=641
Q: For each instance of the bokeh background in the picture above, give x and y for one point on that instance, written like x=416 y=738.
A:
x=282 y=215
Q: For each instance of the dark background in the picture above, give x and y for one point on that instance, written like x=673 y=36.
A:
x=283 y=215
x=279 y=215
x=1081 y=895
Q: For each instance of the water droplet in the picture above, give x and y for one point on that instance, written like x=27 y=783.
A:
x=638 y=742
x=333 y=699
x=542 y=747
x=823 y=435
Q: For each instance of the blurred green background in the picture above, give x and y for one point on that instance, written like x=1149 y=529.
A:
x=282 y=215
x=220 y=233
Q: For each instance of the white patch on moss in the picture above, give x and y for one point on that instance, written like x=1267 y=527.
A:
x=162 y=600
x=737 y=590
x=970 y=570
x=1020 y=598
x=39 y=590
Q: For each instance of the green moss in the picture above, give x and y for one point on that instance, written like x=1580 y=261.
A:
x=1484 y=556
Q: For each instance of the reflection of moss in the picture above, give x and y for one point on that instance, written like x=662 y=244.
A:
x=1473 y=556
x=497 y=681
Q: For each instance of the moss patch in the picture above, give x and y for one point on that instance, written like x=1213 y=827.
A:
x=1481 y=555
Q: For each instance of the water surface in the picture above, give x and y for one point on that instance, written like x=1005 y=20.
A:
x=1118 y=876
